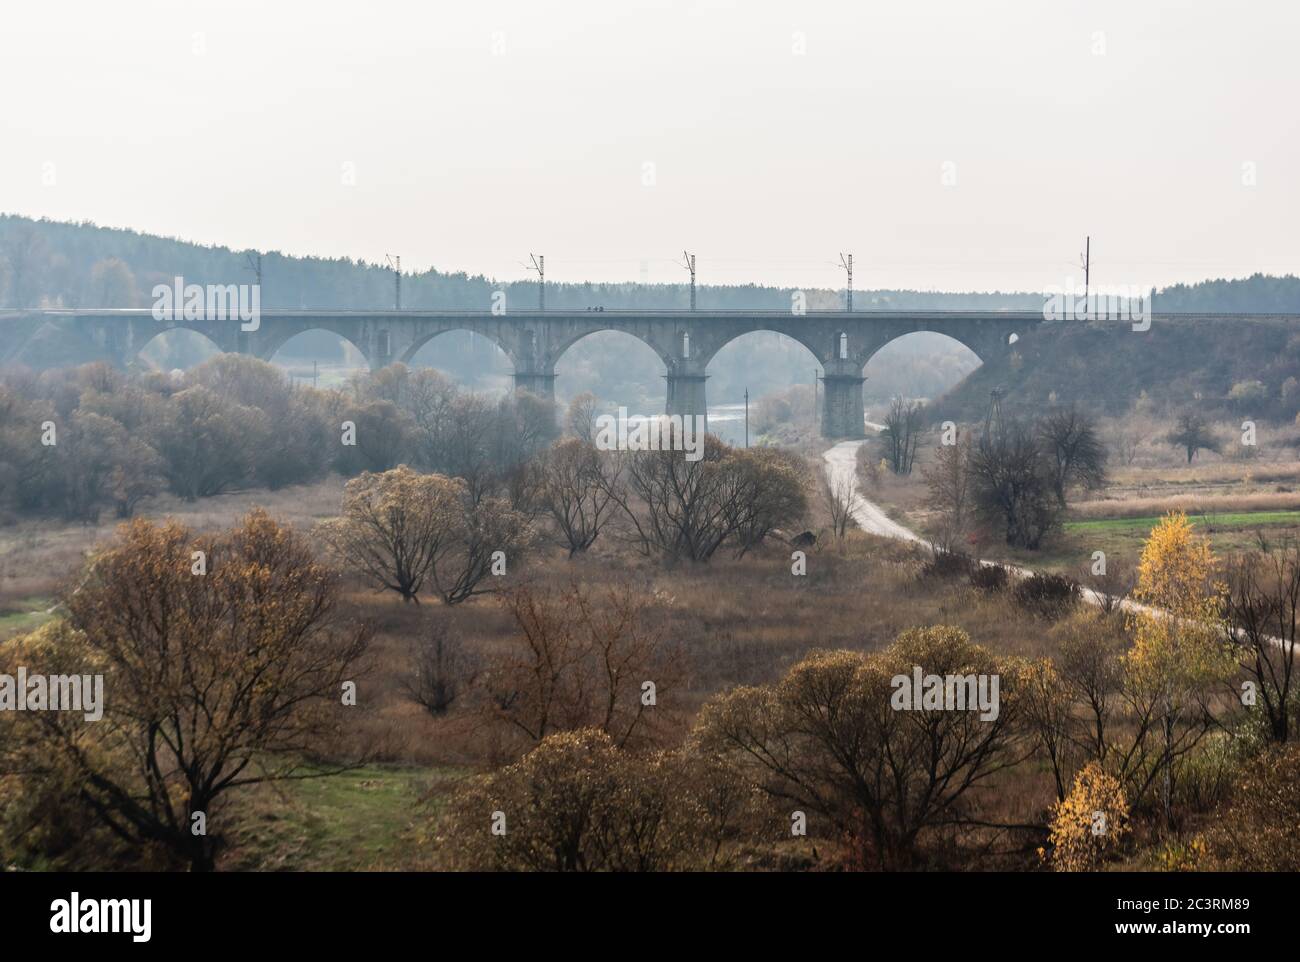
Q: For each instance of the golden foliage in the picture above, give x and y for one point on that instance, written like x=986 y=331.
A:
x=1178 y=647
x=1089 y=824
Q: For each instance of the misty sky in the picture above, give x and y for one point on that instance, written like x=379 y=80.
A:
x=779 y=134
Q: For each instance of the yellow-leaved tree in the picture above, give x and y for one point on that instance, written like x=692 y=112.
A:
x=1178 y=654
x=1089 y=823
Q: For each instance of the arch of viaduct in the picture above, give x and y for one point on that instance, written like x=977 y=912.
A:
x=841 y=342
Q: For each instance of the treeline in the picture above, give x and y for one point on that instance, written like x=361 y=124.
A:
x=77 y=442
x=55 y=264
x=1256 y=294
x=433 y=465
x=63 y=264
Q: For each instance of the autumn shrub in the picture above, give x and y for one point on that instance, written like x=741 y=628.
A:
x=1257 y=831
x=577 y=803
x=989 y=578
x=828 y=739
x=944 y=564
x=1088 y=826
x=1046 y=594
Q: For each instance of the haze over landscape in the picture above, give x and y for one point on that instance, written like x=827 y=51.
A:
x=465 y=137
x=801 y=518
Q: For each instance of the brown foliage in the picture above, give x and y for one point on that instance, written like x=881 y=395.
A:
x=827 y=740
x=581 y=659
x=576 y=803
x=213 y=680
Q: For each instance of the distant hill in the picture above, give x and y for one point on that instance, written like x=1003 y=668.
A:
x=55 y=264
x=47 y=263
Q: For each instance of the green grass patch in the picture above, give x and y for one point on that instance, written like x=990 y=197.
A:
x=1241 y=519
x=26 y=614
x=1122 y=539
x=369 y=818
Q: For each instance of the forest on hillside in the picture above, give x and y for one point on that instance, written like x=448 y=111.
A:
x=51 y=264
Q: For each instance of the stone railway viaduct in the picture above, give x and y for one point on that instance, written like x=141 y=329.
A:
x=686 y=341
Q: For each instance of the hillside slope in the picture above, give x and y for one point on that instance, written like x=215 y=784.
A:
x=1108 y=367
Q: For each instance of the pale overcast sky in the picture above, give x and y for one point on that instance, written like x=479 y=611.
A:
x=609 y=135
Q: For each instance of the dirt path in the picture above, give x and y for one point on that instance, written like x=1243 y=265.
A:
x=841 y=466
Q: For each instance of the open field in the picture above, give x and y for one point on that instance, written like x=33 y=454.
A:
x=39 y=555
x=735 y=622
x=24 y=614
x=363 y=819
x=1231 y=502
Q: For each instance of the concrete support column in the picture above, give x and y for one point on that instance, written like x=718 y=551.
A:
x=540 y=383
x=843 y=415
x=686 y=395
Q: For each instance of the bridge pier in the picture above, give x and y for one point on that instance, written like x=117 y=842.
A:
x=843 y=415
x=687 y=396
x=541 y=384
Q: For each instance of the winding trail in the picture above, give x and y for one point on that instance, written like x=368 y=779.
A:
x=841 y=466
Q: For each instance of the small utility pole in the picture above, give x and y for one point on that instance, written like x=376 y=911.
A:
x=315 y=373
x=746 y=417
x=846 y=261
x=689 y=264
x=396 y=265
x=254 y=265
x=993 y=419
x=539 y=265
x=1087 y=268
x=815 y=416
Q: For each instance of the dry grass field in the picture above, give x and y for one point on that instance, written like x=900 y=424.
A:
x=38 y=556
x=733 y=622
x=1232 y=500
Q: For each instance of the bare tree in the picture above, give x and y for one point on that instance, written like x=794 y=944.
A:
x=578 y=489
x=582 y=659
x=950 y=493
x=1075 y=454
x=902 y=434
x=393 y=526
x=1013 y=485
x=404 y=531
x=689 y=509
x=1263 y=607
x=488 y=536
x=1127 y=441
x=580 y=420
x=444 y=669
x=841 y=499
